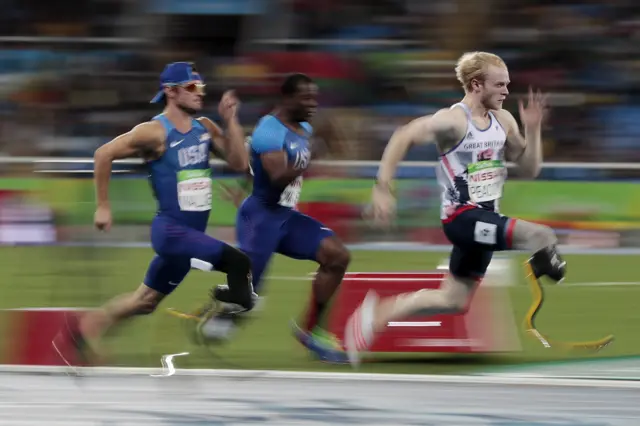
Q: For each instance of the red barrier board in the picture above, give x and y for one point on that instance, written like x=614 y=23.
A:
x=471 y=331
x=30 y=334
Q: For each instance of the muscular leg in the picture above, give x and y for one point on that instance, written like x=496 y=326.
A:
x=450 y=298
x=179 y=248
x=453 y=295
x=480 y=233
x=466 y=270
x=374 y=315
x=163 y=276
x=143 y=301
x=207 y=253
x=531 y=236
x=306 y=238
x=258 y=235
x=475 y=234
x=541 y=241
x=334 y=259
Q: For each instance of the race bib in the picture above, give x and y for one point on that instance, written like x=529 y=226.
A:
x=194 y=190
x=485 y=180
x=291 y=194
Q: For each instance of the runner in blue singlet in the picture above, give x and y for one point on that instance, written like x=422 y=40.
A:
x=176 y=148
x=268 y=222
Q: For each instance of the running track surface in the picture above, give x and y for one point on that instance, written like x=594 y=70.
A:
x=107 y=400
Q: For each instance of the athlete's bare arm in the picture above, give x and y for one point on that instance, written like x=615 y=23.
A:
x=277 y=166
x=146 y=140
x=230 y=143
x=237 y=193
x=445 y=128
x=525 y=151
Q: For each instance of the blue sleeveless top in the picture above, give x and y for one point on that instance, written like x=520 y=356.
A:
x=269 y=135
x=181 y=177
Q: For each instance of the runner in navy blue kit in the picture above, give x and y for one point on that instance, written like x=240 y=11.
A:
x=176 y=148
x=268 y=223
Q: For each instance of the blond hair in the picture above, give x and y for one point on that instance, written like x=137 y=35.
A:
x=473 y=65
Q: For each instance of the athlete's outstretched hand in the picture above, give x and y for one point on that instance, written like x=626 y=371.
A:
x=383 y=207
x=533 y=114
x=102 y=218
x=229 y=104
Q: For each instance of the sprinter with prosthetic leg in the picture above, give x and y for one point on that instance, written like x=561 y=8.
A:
x=475 y=138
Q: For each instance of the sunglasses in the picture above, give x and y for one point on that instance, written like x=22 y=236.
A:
x=197 y=88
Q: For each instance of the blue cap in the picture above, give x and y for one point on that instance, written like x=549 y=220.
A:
x=174 y=74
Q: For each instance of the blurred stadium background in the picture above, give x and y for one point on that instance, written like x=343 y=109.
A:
x=75 y=74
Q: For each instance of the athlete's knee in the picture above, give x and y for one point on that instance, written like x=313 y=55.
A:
x=548 y=261
x=532 y=236
x=439 y=302
x=239 y=289
x=144 y=301
x=451 y=298
x=333 y=254
x=456 y=292
x=145 y=307
x=542 y=241
x=233 y=260
x=545 y=235
x=453 y=305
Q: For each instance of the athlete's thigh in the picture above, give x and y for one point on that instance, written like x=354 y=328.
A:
x=478 y=229
x=164 y=274
x=469 y=263
x=258 y=229
x=171 y=239
x=258 y=233
x=302 y=237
